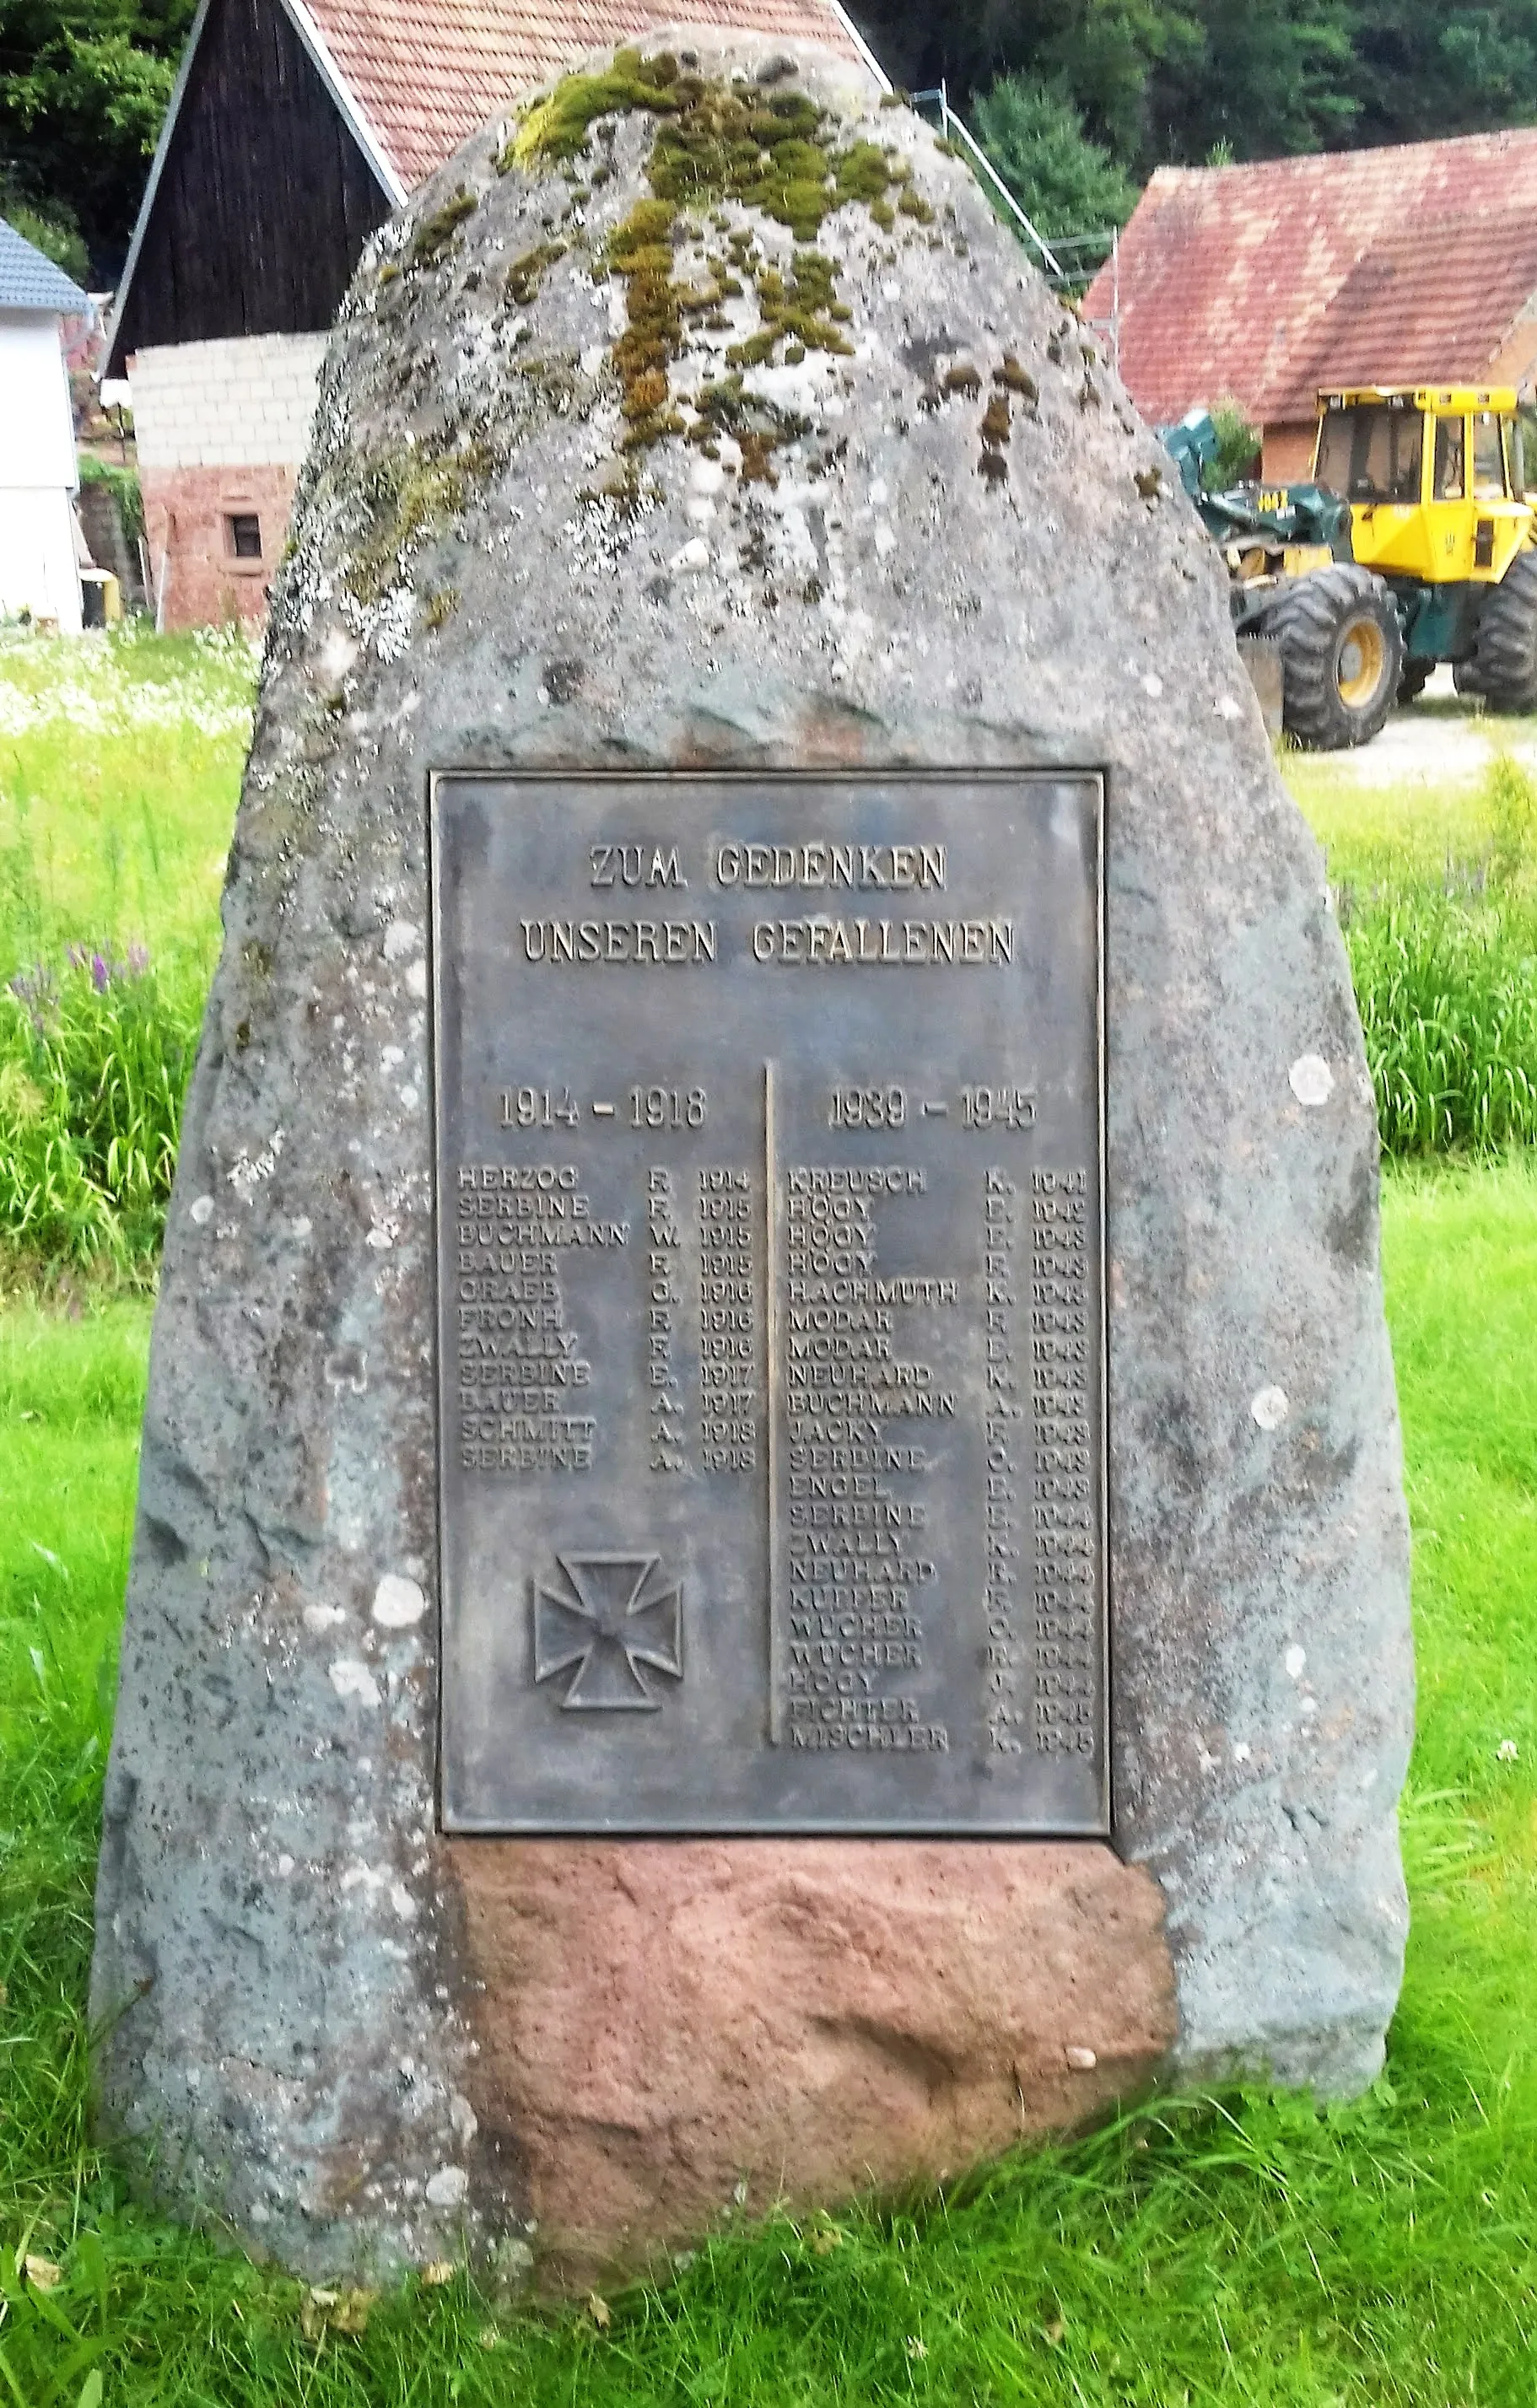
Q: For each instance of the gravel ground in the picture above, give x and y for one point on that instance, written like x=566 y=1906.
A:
x=1443 y=736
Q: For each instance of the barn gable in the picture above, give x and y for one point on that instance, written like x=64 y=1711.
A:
x=297 y=125
x=261 y=197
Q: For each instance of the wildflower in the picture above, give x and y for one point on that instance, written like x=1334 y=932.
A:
x=37 y=992
x=1507 y=1751
x=101 y=973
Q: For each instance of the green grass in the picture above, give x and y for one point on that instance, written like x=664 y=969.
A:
x=1246 y=2250
x=120 y=769
x=1386 y=835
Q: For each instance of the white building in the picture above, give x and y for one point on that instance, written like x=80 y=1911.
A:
x=39 y=568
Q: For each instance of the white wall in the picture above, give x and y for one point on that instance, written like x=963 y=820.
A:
x=37 y=475
x=245 y=403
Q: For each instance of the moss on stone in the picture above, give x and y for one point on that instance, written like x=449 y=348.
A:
x=1016 y=380
x=712 y=143
x=797 y=311
x=527 y=273
x=557 y=126
x=436 y=233
x=861 y=173
x=640 y=251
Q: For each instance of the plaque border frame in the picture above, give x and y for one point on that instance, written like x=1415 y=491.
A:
x=735 y=773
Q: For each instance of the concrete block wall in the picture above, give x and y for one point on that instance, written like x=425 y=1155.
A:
x=243 y=403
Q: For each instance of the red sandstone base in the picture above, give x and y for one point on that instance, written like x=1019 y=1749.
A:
x=670 y=2028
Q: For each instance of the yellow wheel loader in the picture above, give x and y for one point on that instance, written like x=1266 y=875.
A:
x=1411 y=544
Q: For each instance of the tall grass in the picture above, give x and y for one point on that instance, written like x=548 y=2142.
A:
x=120 y=767
x=1448 y=1005
x=1444 y=966
x=94 y=1066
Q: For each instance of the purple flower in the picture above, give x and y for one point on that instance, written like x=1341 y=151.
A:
x=37 y=994
x=101 y=974
x=138 y=960
x=78 y=956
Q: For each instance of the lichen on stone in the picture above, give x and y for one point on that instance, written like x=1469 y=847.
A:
x=407 y=497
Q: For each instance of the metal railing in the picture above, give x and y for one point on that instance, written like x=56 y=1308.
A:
x=954 y=130
x=1070 y=261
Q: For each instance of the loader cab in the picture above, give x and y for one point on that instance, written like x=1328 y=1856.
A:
x=1433 y=477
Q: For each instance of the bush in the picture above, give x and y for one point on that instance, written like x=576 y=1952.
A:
x=94 y=1066
x=1239 y=445
x=123 y=485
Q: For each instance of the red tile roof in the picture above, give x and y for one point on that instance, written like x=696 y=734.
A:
x=427 y=73
x=1396 y=266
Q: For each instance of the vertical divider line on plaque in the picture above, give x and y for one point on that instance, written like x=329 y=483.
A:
x=771 y=1400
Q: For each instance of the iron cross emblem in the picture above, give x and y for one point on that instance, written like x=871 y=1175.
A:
x=605 y=1615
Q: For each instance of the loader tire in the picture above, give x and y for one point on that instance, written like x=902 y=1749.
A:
x=1502 y=666
x=1342 y=650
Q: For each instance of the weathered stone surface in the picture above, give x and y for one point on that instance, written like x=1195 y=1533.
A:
x=672 y=2027
x=304 y=1984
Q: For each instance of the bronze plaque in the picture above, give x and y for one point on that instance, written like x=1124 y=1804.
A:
x=771 y=1358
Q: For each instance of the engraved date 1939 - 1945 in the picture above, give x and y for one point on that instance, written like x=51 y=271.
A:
x=887 y=1105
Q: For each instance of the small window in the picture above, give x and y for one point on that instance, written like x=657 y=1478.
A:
x=1448 y=459
x=244 y=530
x=1488 y=459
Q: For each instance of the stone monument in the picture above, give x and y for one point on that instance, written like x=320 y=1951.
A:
x=771 y=1549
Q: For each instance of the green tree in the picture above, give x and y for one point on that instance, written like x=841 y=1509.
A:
x=84 y=87
x=1271 y=76
x=53 y=231
x=1065 y=182
x=1423 y=72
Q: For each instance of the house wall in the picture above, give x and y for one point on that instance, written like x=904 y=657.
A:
x=1516 y=359
x=37 y=475
x=1286 y=455
x=222 y=429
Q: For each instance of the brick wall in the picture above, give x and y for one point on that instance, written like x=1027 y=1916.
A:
x=199 y=579
x=1287 y=456
x=222 y=429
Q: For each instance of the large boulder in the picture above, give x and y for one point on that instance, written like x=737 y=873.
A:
x=704 y=415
